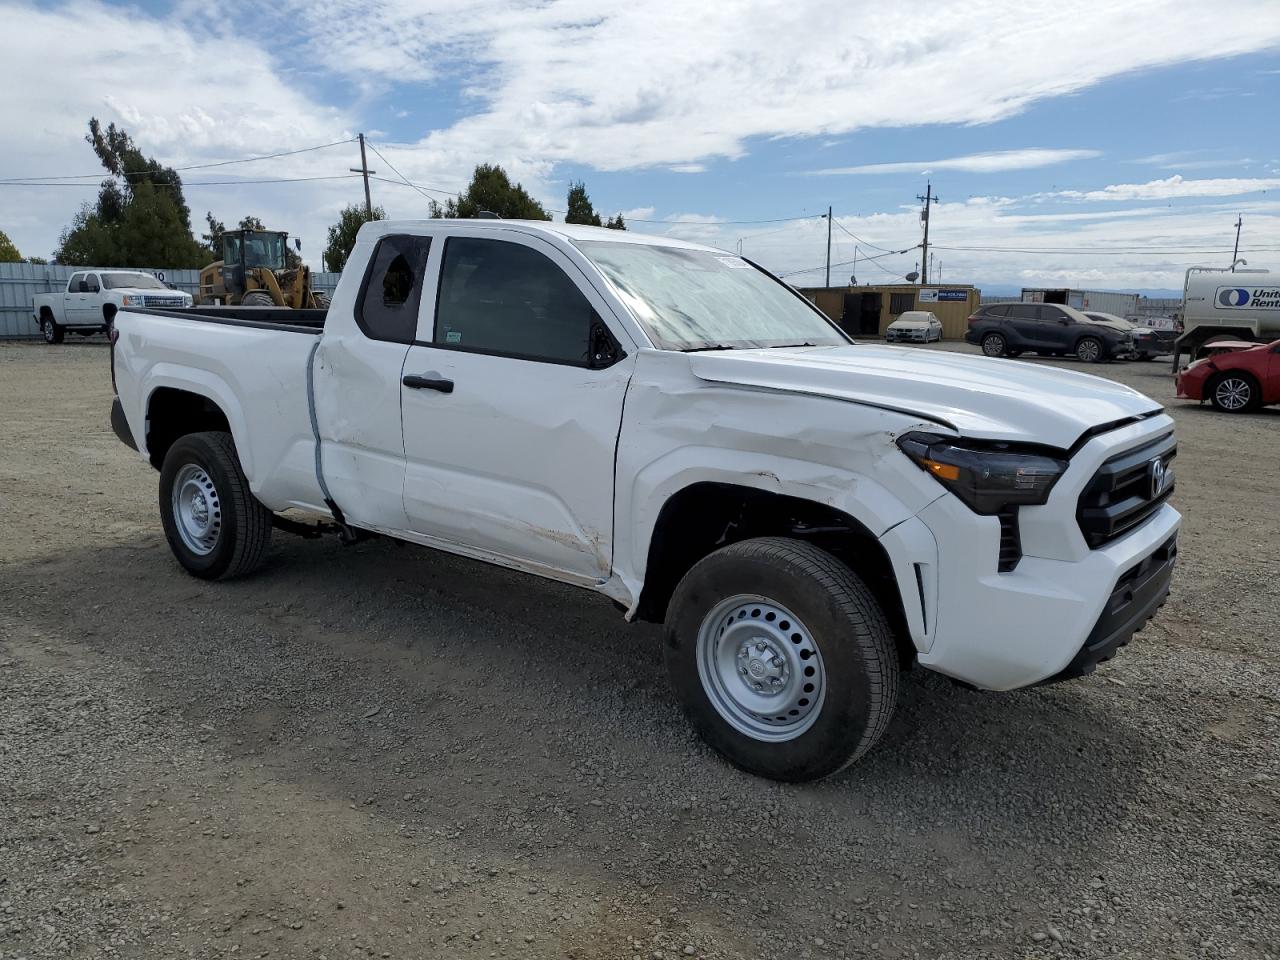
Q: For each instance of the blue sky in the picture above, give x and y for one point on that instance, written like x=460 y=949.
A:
x=1076 y=144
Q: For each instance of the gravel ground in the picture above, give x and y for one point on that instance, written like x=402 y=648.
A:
x=379 y=751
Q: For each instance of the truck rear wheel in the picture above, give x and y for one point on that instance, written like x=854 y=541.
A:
x=782 y=658
x=215 y=526
x=51 y=332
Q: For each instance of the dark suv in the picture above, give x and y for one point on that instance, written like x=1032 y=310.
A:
x=1007 y=329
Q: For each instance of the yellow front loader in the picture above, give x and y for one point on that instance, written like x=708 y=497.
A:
x=253 y=272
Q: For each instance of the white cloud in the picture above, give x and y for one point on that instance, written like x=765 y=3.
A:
x=1171 y=188
x=617 y=84
x=180 y=94
x=996 y=162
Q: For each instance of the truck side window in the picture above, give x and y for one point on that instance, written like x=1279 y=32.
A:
x=505 y=298
x=73 y=284
x=392 y=289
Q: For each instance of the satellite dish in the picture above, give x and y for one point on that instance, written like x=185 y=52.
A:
x=912 y=277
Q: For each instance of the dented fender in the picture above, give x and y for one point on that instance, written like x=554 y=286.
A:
x=679 y=430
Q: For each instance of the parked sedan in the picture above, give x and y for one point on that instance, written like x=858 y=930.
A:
x=1235 y=382
x=915 y=326
x=1051 y=329
x=1146 y=344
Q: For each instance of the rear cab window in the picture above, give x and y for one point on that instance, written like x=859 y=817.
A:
x=392 y=290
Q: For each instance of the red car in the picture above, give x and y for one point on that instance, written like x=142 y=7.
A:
x=1235 y=382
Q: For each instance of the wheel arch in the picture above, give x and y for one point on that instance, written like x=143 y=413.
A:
x=706 y=515
x=175 y=410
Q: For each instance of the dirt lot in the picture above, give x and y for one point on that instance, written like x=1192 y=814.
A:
x=383 y=752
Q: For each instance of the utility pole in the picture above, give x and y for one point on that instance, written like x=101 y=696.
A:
x=364 y=169
x=929 y=199
x=828 y=247
x=1236 y=251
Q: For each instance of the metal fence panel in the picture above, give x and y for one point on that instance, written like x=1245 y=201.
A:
x=20 y=282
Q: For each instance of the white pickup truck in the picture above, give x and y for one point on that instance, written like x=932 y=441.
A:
x=675 y=428
x=93 y=297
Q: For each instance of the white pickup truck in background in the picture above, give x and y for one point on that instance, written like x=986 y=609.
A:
x=93 y=297
x=673 y=427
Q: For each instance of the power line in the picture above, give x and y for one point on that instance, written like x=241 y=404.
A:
x=1101 y=251
x=726 y=223
x=422 y=191
x=194 y=166
x=845 y=263
x=868 y=243
x=194 y=183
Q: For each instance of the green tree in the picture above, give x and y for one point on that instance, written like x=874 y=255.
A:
x=491 y=190
x=342 y=235
x=580 y=209
x=209 y=241
x=8 y=251
x=615 y=223
x=140 y=218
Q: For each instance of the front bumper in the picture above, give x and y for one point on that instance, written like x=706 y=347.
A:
x=1140 y=592
x=1061 y=610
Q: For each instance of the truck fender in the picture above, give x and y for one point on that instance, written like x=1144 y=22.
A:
x=202 y=383
x=860 y=497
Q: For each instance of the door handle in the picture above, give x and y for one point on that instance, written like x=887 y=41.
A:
x=428 y=382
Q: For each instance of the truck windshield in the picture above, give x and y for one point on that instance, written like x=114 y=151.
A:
x=704 y=300
x=134 y=281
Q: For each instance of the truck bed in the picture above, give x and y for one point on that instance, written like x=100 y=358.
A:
x=272 y=318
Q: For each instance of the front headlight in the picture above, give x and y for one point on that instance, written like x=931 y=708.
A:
x=988 y=477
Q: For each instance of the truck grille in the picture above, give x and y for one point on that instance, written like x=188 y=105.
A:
x=163 y=301
x=1126 y=490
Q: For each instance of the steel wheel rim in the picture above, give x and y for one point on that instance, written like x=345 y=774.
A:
x=1233 y=394
x=197 y=509
x=47 y=329
x=1088 y=351
x=993 y=345
x=761 y=668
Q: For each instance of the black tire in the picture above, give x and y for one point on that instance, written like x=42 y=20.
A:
x=851 y=635
x=1013 y=353
x=244 y=524
x=1234 y=391
x=51 y=332
x=994 y=344
x=1090 y=350
x=257 y=298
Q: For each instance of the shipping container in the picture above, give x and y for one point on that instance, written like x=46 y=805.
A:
x=1102 y=301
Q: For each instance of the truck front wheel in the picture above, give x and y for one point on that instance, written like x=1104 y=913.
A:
x=782 y=658
x=214 y=525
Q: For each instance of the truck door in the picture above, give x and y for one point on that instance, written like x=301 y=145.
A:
x=88 y=307
x=512 y=404
x=357 y=370
x=72 y=300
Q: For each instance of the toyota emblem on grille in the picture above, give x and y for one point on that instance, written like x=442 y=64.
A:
x=1156 y=477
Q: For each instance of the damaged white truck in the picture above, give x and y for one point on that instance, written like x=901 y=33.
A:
x=674 y=428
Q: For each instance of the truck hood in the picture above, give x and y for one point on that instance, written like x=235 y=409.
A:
x=978 y=397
